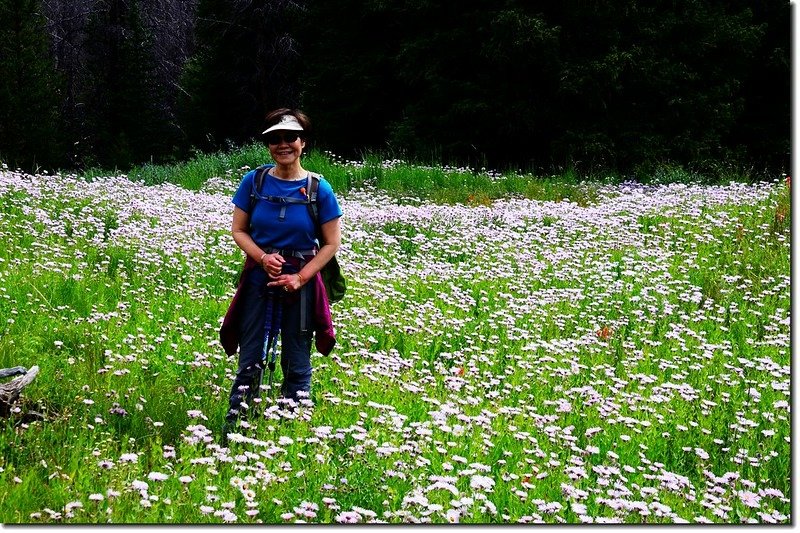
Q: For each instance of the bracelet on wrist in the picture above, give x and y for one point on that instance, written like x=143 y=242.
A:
x=300 y=277
x=261 y=259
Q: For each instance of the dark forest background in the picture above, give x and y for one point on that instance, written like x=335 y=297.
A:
x=503 y=83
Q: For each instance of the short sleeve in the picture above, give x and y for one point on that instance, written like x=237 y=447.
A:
x=328 y=204
x=242 y=197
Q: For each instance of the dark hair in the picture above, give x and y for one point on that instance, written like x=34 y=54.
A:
x=273 y=117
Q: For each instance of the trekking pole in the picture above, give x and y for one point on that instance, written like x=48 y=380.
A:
x=271 y=364
x=269 y=319
x=272 y=326
x=264 y=349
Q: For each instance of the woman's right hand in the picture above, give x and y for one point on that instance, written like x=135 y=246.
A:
x=272 y=264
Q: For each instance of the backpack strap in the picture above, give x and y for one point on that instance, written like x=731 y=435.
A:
x=312 y=186
x=258 y=181
x=313 y=207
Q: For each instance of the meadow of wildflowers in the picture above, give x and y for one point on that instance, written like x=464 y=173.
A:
x=621 y=360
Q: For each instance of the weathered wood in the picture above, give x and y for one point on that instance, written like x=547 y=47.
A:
x=15 y=371
x=9 y=392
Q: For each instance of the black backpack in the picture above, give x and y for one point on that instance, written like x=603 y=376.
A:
x=335 y=284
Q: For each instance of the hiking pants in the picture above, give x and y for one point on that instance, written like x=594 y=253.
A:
x=295 y=355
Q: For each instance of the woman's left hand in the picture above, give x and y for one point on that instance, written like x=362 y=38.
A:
x=288 y=282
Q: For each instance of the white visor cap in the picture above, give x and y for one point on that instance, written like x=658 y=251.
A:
x=288 y=122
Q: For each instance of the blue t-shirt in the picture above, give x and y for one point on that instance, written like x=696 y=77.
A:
x=296 y=231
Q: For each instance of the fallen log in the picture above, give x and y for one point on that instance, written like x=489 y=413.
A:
x=9 y=392
x=15 y=371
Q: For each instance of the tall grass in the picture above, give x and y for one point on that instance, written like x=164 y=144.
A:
x=192 y=174
x=399 y=178
x=438 y=183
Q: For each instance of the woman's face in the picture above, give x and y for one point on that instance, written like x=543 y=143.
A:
x=285 y=146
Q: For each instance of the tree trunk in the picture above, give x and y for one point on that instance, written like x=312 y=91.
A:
x=9 y=392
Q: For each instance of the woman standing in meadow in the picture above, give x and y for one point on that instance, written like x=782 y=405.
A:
x=280 y=288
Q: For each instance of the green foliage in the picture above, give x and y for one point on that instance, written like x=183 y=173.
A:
x=216 y=72
x=648 y=83
x=402 y=179
x=542 y=86
x=29 y=89
x=622 y=87
x=195 y=172
x=399 y=178
x=123 y=123
x=243 y=67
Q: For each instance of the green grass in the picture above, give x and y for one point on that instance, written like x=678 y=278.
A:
x=402 y=179
x=193 y=173
x=407 y=180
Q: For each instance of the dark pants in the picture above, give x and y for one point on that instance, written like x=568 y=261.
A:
x=295 y=354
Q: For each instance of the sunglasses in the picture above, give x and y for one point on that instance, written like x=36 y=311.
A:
x=278 y=138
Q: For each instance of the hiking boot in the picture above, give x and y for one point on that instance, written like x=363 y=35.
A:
x=228 y=427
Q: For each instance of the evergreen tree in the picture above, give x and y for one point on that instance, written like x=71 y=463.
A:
x=244 y=65
x=483 y=96
x=511 y=83
x=122 y=118
x=645 y=82
x=595 y=84
x=351 y=87
x=29 y=90
x=762 y=130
